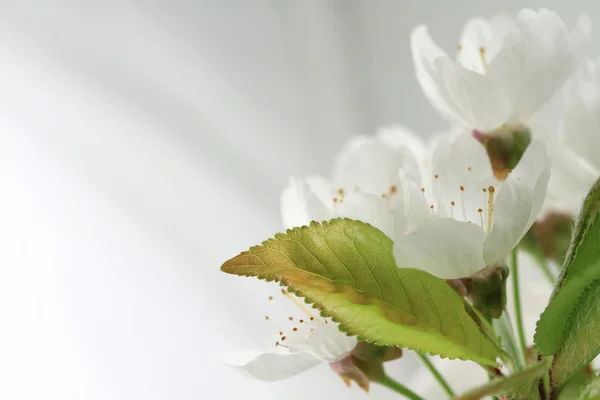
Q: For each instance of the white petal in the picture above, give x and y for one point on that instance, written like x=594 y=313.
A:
x=424 y=53
x=371 y=166
x=416 y=206
x=319 y=204
x=293 y=204
x=386 y=214
x=328 y=344
x=305 y=201
x=443 y=247
x=581 y=120
x=397 y=136
x=580 y=38
x=518 y=202
x=572 y=177
x=481 y=40
x=269 y=366
x=463 y=172
x=475 y=100
x=537 y=57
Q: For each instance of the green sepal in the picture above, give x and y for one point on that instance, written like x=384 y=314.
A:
x=487 y=290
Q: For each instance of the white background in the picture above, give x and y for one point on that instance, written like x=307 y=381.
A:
x=145 y=142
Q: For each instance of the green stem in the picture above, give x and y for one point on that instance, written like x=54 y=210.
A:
x=398 y=388
x=517 y=298
x=543 y=263
x=436 y=374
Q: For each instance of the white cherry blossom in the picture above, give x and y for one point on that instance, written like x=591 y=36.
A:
x=576 y=164
x=469 y=219
x=505 y=69
x=301 y=340
x=365 y=184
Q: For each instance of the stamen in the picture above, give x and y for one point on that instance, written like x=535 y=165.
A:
x=482 y=55
x=452 y=204
x=393 y=189
x=296 y=302
x=341 y=192
x=267 y=317
x=270 y=297
x=469 y=169
x=480 y=211
x=491 y=191
x=459 y=47
x=484 y=190
x=462 y=201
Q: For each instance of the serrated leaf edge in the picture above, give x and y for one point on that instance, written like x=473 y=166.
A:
x=326 y=314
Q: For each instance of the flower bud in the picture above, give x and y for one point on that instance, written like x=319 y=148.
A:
x=505 y=147
x=487 y=290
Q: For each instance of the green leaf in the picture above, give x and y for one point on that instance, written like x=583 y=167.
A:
x=581 y=267
x=568 y=327
x=522 y=385
x=591 y=391
x=582 y=342
x=576 y=385
x=347 y=269
x=551 y=329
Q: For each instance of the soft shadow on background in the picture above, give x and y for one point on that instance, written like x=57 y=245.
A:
x=145 y=142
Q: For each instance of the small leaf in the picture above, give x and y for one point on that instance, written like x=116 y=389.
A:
x=522 y=385
x=591 y=391
x=347 y=269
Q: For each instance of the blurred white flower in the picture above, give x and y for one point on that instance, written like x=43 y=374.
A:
x=505 y=70
x=469 y=219
x=576 y=164
x=299 y=343
x=365 y=184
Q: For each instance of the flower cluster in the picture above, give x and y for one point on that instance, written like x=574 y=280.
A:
x=459 y=204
